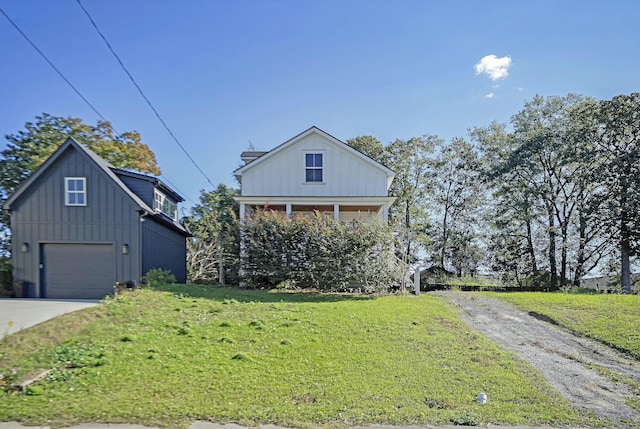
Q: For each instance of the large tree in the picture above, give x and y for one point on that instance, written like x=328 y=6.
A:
x=511 y=211
x=615 y=134
x=29 y=148
x=542 y=169
x=412 y=162
x=213 y=250
x=455 y=202
x=368 y=145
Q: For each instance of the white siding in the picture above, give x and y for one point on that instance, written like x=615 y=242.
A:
x=344 y=174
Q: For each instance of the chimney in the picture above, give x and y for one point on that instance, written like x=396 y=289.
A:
x=249 y=156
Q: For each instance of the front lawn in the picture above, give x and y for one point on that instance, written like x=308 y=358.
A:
x=610 y=318
x=168 y=357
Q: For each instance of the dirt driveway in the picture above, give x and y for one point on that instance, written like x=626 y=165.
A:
x=566 y=360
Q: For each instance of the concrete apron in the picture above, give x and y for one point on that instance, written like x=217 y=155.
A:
x=21 y=313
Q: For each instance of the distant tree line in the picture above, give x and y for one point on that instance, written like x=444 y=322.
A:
x=541 y=200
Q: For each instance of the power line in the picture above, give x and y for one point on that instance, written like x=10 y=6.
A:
x=142 y=93
x=52 y=65
x=77 y=91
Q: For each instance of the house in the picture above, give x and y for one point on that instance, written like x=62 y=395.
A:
x=315 y=171
x=79 y=225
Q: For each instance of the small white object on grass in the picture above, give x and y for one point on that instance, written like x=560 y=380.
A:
x=482 y=398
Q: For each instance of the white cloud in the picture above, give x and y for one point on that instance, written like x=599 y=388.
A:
x=494 y=67
x=490 y=95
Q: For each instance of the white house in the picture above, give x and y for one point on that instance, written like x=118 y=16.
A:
x=315 y=171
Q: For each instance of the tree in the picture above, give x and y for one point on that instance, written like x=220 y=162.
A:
x=457 y=196
x=214 y=248
x=615 y=133
x=594 y=238
x=542 y=168
x=368 y=145
x=411 y=161
x=29 y=148
x=542 y=130
x=512 y=211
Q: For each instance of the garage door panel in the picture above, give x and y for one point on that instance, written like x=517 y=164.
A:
x=81 y=271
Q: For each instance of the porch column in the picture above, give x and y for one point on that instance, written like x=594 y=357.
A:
x=385 y=213
x=288 y=210
x=336 y=212
x=242 y=212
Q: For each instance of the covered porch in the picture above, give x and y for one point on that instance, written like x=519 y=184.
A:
x=340 y=209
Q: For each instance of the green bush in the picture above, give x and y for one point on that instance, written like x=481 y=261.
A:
x=319 y=253
x=159 y=276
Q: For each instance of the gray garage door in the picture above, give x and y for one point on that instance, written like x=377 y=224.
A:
x=80 y=271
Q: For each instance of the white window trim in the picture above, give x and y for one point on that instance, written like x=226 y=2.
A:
x=304 y=164
x=68 y=192
x=162 y=200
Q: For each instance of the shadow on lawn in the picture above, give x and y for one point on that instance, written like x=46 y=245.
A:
x=220 y=293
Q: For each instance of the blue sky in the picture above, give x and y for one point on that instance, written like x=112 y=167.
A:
x=225 y=75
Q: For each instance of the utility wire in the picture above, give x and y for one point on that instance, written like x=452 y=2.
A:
x=52 y=65
x=76 y=90
x=142 y=93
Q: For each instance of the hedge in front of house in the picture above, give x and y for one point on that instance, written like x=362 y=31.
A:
x=318 y=252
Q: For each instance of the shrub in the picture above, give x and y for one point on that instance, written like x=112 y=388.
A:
x=159 y=276
x=319 y=253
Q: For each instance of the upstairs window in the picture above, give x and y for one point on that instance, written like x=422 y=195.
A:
x=313 y=167
x=162 y=204
x=75 y=191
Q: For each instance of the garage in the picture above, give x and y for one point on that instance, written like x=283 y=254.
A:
x=77 y=271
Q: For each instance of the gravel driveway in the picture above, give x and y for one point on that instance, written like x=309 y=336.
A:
x=565 y=359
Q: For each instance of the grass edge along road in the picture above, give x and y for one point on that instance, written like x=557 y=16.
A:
x=169 y=357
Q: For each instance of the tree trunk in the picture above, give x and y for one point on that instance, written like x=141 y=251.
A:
x=563 y=256
x=582 y=228
x=407 y=224
x=532 y=252
x=553 y=268
x=221 y=279
x=625 y=251
x=444 y=237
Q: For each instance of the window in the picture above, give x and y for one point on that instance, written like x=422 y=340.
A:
x=75 y=191
x=162 y=204
x=313 y=167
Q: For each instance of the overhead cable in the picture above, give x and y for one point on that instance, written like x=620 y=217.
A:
x=76 y=89
x=141 y=92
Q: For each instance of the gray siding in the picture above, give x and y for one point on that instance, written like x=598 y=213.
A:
x=142 y=188
x=165 y=248
x=39 y=216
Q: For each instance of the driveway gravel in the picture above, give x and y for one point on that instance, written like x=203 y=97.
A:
x=566 y=360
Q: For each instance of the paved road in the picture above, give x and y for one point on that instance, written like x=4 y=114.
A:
x=17 y=314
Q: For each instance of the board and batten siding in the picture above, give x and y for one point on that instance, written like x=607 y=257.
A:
x=142 y=188
x=40 y=216
x=344 y=174
x=163 y=247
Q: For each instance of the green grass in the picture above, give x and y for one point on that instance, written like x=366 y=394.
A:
x=169 y=357
x=609 y=318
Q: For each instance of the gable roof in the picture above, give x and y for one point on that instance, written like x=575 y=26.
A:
x=106 y=168
x=313 y=130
